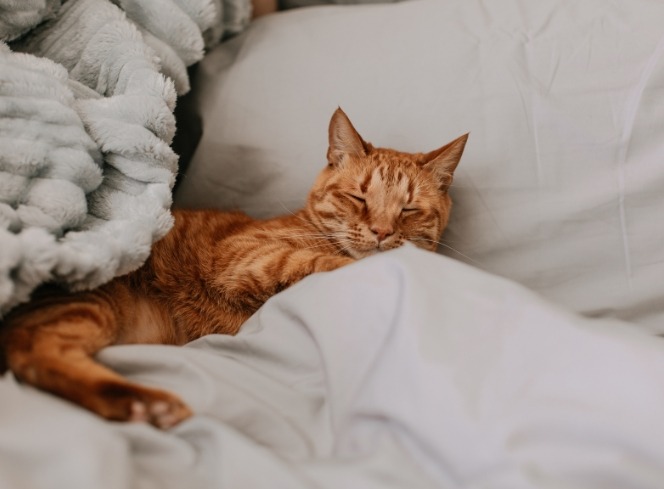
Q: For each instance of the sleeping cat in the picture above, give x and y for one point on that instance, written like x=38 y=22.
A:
x=214 y=269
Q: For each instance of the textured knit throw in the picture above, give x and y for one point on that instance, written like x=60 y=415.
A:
x=87 y=92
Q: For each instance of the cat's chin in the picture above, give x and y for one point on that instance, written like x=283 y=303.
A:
x=364 y=253
x=358 y=254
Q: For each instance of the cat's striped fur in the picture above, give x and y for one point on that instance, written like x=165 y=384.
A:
x=214 y=269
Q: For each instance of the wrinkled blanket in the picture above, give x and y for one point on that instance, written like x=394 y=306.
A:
x=404 y=370
x=87 y=92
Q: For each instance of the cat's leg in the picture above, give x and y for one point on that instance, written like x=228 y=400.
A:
x=52 y=346
x=306 y=262
x=252 y=278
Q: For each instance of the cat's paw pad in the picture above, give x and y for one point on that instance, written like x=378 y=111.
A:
x=162 y=414
x=135 y=403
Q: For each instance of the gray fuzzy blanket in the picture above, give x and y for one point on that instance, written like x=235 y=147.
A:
x=87 y=92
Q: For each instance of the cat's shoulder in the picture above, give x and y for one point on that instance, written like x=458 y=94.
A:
x=208 y=215
x=208 y=219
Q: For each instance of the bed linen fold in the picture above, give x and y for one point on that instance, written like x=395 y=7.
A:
x=407 y=369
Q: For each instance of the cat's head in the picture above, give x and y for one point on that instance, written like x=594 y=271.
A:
x=371 y=199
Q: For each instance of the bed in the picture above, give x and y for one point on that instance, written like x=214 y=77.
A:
x=526 y=353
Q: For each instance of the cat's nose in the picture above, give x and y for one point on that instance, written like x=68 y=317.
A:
x=382 y=232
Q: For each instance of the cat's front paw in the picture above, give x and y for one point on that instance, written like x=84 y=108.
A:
x=135 y=403
x=331 y=262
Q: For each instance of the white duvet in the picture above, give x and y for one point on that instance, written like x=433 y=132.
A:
x=404 y=370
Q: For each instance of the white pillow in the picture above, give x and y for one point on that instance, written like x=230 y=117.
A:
x=561 y=184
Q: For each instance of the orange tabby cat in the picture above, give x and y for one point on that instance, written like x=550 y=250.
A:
x=214 y=269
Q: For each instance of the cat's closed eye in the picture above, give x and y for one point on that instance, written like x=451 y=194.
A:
x=357 y=198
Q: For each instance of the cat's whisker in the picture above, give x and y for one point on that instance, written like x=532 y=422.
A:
x=325 y=238
x=446 y=240
x=345 y=249
x=315 y=246
x=448 y=247
x=308 y=236
x=342 y=241
x=294 y=214
x=344 y=244
x=287 y=209
x=460 y=186
x=328 y=241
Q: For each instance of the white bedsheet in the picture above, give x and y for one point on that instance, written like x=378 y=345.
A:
x=404 y=370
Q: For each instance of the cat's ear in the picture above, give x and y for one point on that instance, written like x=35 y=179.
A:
x=343 y=139
x=443 y=161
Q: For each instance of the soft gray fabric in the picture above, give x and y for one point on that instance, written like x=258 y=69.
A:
x=404 y=370
x=86 y=122
x=19 y=16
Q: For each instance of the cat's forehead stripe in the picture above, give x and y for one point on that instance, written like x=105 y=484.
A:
x=382 y=171
x=403 y=181
x=384 y=177
x=411 y=190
